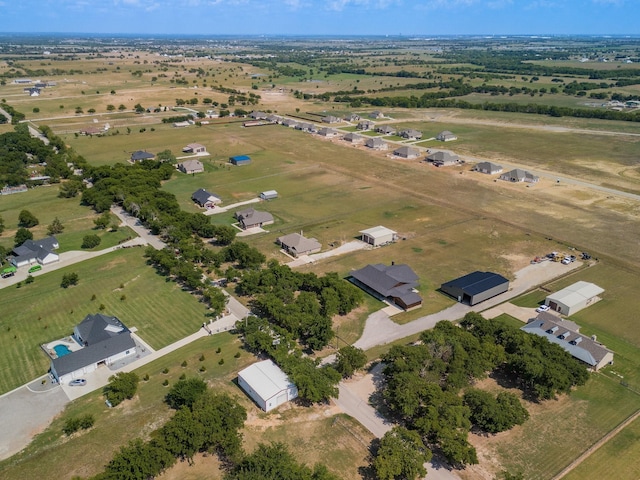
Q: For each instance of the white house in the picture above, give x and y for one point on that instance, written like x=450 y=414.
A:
x=379 y=235
x=574 y=298
x=267 y=385
x=268 y=195
x=103 y=340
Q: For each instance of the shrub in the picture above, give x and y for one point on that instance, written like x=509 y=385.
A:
x=203 y=368
x=165 y=383
x=146 y=377
x=221 y=361
x=122 y=386
x=91 y=241
x=202 y=357
x=183 y=364
x=69 y=279
x=237 y=355
x=165 y=370
x=74 y=424
x=218 y=350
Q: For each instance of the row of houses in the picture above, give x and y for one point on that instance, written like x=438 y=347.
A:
x=516 y=175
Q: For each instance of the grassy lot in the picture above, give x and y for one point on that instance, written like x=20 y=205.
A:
x=312 y=434
x=43 y=311
x=560 y=430
x=621 y=455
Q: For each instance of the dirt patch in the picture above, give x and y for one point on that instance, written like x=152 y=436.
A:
x=517 y=261
x=113 y=263
x=204 y=466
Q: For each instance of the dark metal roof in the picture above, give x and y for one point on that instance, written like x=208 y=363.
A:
x=142 y=155
x=97 y=328
x=93 y=353
x=201 y=196
x=477 y=282
x=390 y=281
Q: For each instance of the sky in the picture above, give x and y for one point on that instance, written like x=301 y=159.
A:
x=323 y=17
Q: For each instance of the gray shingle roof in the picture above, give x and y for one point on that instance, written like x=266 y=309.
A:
x=390 y=281
x=93 y=353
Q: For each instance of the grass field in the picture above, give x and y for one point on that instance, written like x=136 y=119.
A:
x=312 y=434
x=43 y=311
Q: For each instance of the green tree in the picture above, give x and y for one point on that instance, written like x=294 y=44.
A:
x=137 y=461
x=22 y=235
x=122 y=386
x=401 y=455
x=183 y=435
x=56 y=227
x=103 y=221
x=27 y=219
x=90 y=241
x=166 y=156
x=70 y=188
x=185 y=392
x=349 y=359
x=224 y=234
x=122 y=107
x=111 y=108
x=69 y=279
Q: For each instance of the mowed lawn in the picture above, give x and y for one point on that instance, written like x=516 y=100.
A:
x=620 y=456
x=121 y=281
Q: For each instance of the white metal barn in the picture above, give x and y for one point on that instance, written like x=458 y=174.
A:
x=574 y=298
x=379 y=235
x=267 y=385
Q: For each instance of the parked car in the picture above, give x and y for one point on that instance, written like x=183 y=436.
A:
x=35 y=268
x=542 y=308
x=566 y=260
x=78 y=382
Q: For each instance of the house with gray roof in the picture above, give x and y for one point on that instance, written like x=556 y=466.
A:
x=140 y=155
x=328 y=132
x=386 y=130
x=407 y=152
x=289 y=122
x=443 y=158
x=330 y=119
x=205 y=199
x=35 y=251
x=395 y=284
x=488 y=168
x=352 y=118
x=376 y=143
x=519 y=175
x=296 y=244
x=101 y=340
x=376 y=114
x=353 y=138
x=257 y=115
x=191 y=166
x=566 y=334
x=365 y=125
x=410 y=134
x=250 y=217
x=446 y=136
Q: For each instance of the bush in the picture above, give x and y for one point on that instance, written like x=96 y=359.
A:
x=165 y=370
x=237 y=355
x=201 y=358
x=183 y=364
x=74 y=424
x=218 y=350
x=90 y=241
x=185 y=393
x=221 y=361
x=146 y=377
x=69 y=279
x=165 y=383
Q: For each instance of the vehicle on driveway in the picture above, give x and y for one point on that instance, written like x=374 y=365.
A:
x=35 y=268
x=78 y=382
x=8 y=272
x=542 y=308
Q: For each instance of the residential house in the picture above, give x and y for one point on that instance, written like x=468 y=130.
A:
x=407 y=152
x=376 y=114
x=328 y=132
x=205 y=199
x=102 y=341
x=365 y=125
x=443 y=158
x=352 y=118
x=195 y=148
x=330 y=119
x=566 y=334
x=395 y=284
x=386 y=130
x=191 y=166
x=378 y=236
x=257 y=115
x=295 y=244
x=410 y=134
x=376 y=143
x=35 y=251
x=353 y=138
x=488 y=168
x=446 y=136
x=289 y=122
x=267 y=385
x=251 y=217
x=519 y=175
x=140 y=155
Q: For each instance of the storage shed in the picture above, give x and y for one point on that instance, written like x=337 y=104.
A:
x=476 y=287
x=269 y=195
x=267 y=385
x=240 y=160
x=378 y=236
x=574 y=298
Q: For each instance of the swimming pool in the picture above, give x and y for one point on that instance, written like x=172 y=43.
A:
x=61 y=350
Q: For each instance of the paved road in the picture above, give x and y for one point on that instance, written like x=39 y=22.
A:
x=133 y=223
x=36 y=134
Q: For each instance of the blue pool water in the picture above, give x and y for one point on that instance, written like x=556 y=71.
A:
x=61 y=350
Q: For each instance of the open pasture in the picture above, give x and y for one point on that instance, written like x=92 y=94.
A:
x=121 y=281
